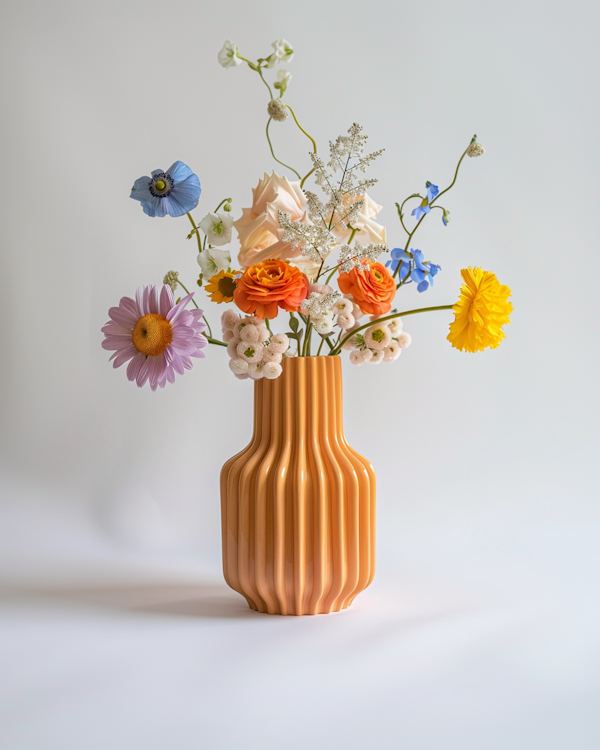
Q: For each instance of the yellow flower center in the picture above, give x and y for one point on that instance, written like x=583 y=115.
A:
x=226 y=286
x=160 y=185
x=378 y=335
x=377 y=275
x=152 y=334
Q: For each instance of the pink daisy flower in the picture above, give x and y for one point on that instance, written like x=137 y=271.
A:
x=156 y=336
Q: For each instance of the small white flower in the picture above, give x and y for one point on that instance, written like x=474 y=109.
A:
x=356 y=358
x=250 y=334
x=228 y=334
x=343 y=305
x=325 y=323
x=345 y=321
x=272 y=370
x=395 y=326
x=263 y=332
x=377 y=357
x=238 y=366
x=404 y=340
x=283 y=52
x=377 y=336
x=391 y=352
x=270 y=356
x=352 y=343
x=217 y=228
x=367 y=355
x=279 y=343
x=229 y=320
x=252 y=353
x=232 y=346
x=227 y=57
x=243 y=376
x=256 y=370
x=475 y=149
x=283 y=81
x=212 y=261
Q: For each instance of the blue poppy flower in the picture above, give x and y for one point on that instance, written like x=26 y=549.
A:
x=174 y=192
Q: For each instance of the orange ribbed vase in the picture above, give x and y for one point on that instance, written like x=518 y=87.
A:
x=298 y=504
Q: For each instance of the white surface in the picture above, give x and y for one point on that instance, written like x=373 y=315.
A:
x=481 y=628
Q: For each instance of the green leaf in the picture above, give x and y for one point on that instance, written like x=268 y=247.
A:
x=294 y=323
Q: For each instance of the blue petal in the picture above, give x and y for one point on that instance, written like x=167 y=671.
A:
x=444 y=220
x=397 y=253
x=140 y=191
x=423 y=286
x=417 y=275
x=433 y=269
x=152 y=207
x=179 y=171
x=432 y=191
x=418 y=258
x=184 y=196
x=393 y=264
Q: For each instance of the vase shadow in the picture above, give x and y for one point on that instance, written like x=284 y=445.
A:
x=181 y=600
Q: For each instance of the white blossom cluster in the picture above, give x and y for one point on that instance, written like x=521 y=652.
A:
x=352 y=256
x=314 y=239
x=341 y=181
x=253 y=351
x=382 y=342
x=327 y=308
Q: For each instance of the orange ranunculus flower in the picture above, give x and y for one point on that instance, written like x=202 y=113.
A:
x=268 y=285
x=372 y=288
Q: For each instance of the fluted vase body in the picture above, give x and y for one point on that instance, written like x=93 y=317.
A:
x=298 y=504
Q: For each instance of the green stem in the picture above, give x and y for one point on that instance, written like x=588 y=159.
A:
x=225 y=200
x=323 y=340
x=339 y=346
x=215 y=341
x=312 y=140
x=189 y=215
x=260 y=73
x=287 y=166
x=437 y=197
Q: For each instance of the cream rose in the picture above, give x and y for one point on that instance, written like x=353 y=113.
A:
x=368 y=230
x=258 y=228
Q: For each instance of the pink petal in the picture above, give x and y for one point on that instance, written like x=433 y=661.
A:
x=166 y=300
x=122 y=317
x=116 y=330
x=124 y=356
x=135 y=366
x=180 y=307
x=117 y=343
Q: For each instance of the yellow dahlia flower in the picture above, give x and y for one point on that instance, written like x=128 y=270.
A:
x=481 y=311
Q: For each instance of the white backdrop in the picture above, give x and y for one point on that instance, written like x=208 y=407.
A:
x=483 y=614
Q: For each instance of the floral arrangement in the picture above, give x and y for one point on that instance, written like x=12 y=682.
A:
x=295 y=248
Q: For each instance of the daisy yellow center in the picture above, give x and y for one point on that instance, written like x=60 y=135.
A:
x=152 y=334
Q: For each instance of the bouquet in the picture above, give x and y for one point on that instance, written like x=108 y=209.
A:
x=314 y=275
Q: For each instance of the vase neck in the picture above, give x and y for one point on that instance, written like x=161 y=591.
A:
x=305 y=397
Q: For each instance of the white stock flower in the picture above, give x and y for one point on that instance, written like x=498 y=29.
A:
x=283 y=80
x=283 y=52
x=213 y=261
x=217 y=228
x=228 y=55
